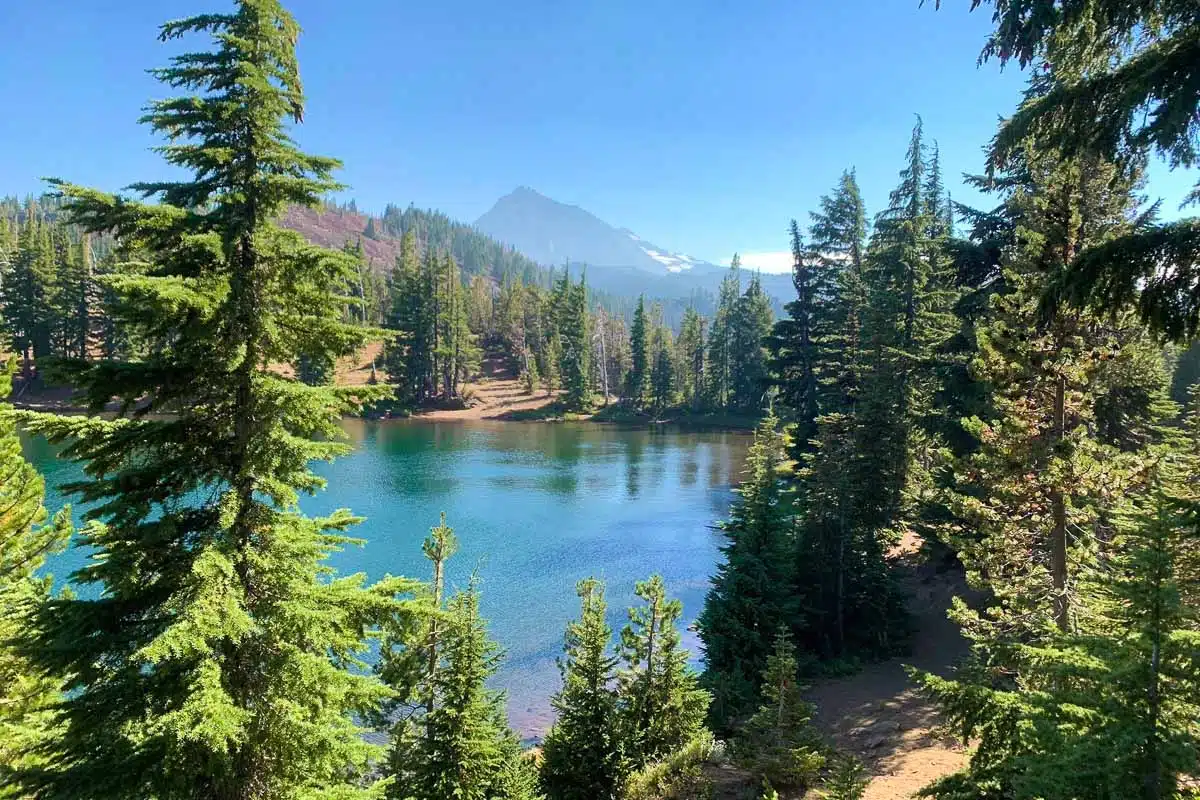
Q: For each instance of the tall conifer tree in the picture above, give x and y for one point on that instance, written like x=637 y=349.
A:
x=640 y=356
x=752 y=595
x=750 y=324
x=796 y=342
x=218 y=658
x=721 y=338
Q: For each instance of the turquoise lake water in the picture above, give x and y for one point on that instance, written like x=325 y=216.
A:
x=535 y=507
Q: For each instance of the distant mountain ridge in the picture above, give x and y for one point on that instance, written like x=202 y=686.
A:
x=616 y=259
x=554 y=233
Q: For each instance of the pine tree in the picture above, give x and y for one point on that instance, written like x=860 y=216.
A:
x=27 y=536
x=692 y=358
x=640 y=357
x=1110 y=80
x=214 y=655
x=752 y=594
x=572 y=323
x=662 y=705
x=461 y=747
x=1041 y=472
x=1109 y=709
x=796 y=343
x=408 y=357
x=1055 y=689
x=853 y=607
x=843 y=582
x=663 y=378
x=911 y=296
x=73 y=300
x=846 y=781
x=455 y=352
x=778 y=742
x=750 y=325
x=721 y=352
x=583 y=755
x=28 y=292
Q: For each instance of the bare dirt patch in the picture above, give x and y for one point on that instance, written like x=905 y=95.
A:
x=878 y=715
x=494 y=395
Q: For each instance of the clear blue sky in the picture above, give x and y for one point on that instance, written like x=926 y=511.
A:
x=704 y=125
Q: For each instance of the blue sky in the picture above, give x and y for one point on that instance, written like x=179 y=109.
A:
x=704 y=126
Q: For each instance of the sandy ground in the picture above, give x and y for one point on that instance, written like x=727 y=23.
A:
x=878 y=715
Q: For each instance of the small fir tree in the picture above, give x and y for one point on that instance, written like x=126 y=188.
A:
x=778 y=741
x=662 y=704
x=583 y=756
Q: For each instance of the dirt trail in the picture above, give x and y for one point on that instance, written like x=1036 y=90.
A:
x=878 y=715
x=493 y=395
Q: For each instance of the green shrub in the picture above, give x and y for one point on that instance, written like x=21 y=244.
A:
x=679 y=776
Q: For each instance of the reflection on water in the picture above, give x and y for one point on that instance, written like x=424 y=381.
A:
x=536 y=507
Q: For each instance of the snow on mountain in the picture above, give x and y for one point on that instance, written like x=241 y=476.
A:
x=616 y=259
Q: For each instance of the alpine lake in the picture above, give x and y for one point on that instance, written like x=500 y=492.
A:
x=535 y=508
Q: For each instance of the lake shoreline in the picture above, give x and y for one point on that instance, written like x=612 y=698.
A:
x=546 y=409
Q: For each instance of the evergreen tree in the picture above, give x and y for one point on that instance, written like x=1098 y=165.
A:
x=663 y=378
x=408 y=357
x=583 y=755
x=1112 y=79
x=663 y=707
x=1052 y=690
x=721 y=351
x=518 y=778
x=1109 y=709
x=842 y=580
x=455 y=353
x=778 y=742
x=28 y=292
x=73 y=301
x=911 y=295
x=461 y=747
x=214 y=655
x=1041 y=472
x=797 y=341
x=852 y=604
x=572 y=323
x=846 y=781
x=750 y=325
x=640 y=355
x=27 y=536
x=692 y=358
x=752 y=594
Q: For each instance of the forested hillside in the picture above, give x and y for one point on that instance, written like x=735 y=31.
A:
x=996 y=389
x=333 y=225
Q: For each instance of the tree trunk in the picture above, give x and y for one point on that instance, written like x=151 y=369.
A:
x=1058 y=535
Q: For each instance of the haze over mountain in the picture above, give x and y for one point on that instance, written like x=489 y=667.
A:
x=617 y=259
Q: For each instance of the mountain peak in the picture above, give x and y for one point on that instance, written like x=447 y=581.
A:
x=552 y=232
